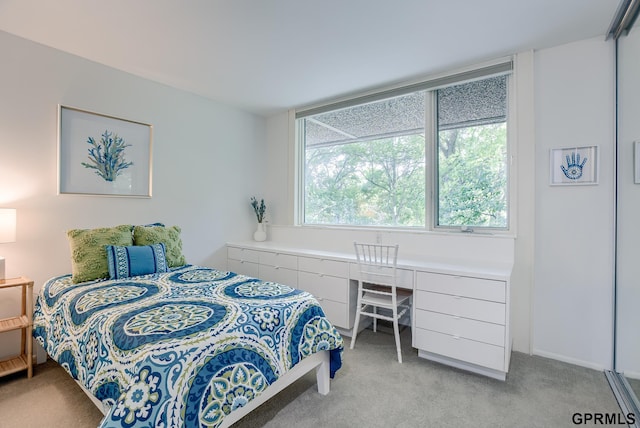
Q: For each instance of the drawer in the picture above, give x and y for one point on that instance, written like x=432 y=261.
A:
x=461 y=349
x=243 y=254
x=336 y=312
x=486 y=289
x=323 y=266
x=481 y=310
x=280 y=275
x=405 y=276
x=461 y=327
x=279 y=260
x=242 y=267
x=324 y=287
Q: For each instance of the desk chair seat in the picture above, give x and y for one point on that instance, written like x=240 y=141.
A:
x=377 y=288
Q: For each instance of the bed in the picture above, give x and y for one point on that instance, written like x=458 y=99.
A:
x=192 y=346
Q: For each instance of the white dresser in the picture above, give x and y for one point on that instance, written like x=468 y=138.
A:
x=326 y=277
x=460 y=311
x=463 y=321
x=328 y=281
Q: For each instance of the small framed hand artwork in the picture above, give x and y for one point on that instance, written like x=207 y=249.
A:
x=574 y=165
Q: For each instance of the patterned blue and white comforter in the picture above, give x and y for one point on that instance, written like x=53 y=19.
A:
x=182 y=348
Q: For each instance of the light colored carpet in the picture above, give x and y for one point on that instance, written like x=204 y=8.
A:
x=371 y=390
x=635 y=385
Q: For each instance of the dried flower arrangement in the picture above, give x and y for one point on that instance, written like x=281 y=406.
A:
x=259 y=208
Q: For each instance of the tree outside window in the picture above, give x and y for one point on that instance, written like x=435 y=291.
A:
x=368 y=164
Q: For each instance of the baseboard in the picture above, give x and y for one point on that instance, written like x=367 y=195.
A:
x=565 y=359
x=631 y=375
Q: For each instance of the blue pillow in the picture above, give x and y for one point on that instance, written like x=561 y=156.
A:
x=136 y=260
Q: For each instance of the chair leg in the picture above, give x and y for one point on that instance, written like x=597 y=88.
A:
x=375 y=320
x=396 y=332
x=355 y=328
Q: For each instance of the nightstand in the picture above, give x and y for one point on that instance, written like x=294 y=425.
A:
x=23 y=322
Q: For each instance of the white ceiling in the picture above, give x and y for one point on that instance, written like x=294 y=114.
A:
x=265 y=56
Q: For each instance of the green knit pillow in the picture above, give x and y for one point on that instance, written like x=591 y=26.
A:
x=169 y=236
x=88 y=250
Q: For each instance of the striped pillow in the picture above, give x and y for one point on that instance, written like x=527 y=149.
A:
x=125 y=262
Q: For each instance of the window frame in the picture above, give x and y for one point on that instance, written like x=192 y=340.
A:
x=504 y=66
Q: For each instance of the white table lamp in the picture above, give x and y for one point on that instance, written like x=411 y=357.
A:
x=7 y=232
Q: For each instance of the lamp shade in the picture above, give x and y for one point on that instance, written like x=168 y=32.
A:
x=7 y=225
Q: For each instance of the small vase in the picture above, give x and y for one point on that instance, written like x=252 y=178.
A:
x=260 y=234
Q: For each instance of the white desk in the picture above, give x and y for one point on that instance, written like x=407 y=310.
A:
x=460 y=313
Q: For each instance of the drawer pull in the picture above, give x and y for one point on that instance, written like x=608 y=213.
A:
x=457 y=297
x=276 y=267
x=456 y=337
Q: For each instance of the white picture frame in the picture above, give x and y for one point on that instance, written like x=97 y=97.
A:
x=574 y=166
x=84 y=138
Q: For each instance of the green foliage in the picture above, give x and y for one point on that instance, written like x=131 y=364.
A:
x=472 y=176
x=259 y=208
x=378 y=182
x=382 y=182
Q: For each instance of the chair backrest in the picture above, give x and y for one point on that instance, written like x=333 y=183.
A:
x=377 y=263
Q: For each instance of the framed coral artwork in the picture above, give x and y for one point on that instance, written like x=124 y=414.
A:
x=574 y=165
x=103 y=155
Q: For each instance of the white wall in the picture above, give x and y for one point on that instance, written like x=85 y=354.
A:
x=563 y=274
x=279 y=192
x=280 y=196
x=208 y=160
x=628 y=289
x=573 y=288
x=523 y=173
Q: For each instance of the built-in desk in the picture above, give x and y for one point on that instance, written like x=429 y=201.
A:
x=460 y=313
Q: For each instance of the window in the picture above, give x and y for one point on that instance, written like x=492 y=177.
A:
x=471 y=184
x=365 y=165
x=377 y=160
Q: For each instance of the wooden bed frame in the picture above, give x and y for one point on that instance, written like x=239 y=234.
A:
x=318 y=361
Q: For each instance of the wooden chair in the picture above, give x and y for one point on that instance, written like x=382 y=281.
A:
x=377 y=288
